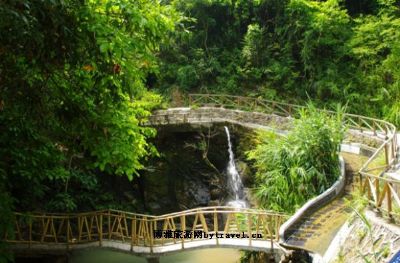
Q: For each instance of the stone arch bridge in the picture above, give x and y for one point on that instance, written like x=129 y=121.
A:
x=250 y=229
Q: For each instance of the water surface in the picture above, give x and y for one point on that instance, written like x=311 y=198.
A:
x=212 y=255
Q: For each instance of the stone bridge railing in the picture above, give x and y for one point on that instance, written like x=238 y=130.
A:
x=380 y=189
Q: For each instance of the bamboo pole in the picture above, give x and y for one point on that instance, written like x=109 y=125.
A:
x=389 y=199
x=30 y=233
x=45 y=231
x=135 y=238
x=109 y=225
x=387 y=155
x=132 y=233
x=151 y=237
x=258 y=224
x=79 y=228
x=183 y=228
x=249 y=218
x=216 y=226
x=101 y=231
x=377 y=192
x=68 y=237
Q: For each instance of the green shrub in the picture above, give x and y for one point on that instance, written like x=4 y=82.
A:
x=292 y=169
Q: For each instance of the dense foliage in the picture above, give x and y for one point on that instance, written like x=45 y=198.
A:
x=77 y=80
x=294 y=168
x=73 y=96
x=330 y=51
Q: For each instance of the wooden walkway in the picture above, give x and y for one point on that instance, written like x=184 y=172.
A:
x=145 y=234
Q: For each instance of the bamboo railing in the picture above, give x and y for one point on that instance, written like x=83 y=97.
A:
x=380 y=190
x=146 y=230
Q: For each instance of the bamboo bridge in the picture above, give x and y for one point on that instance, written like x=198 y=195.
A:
x=140 y=234
x=145 y=234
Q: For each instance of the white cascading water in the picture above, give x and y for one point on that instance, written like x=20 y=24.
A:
x=234 y=180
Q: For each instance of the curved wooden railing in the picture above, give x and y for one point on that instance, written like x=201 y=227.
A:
x=139 y=230
x=373 y=181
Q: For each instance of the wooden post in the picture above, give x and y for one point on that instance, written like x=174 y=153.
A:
x=249 y=227
x=101 y=231
x=271 y=232
x=133 y=223
x=68 y=237
x=377 y=192
x=109 y=225
x=361 y=183
x=135 y=238
x=30 y=233
x=79 y=228
x=389 y=198
x=394 y=144
x=278 y=223
x=183 y=228
x=387 y=155
x=392 y=150
x=374 y=127
x=45 y=230
x=216 y=225
x=258 y=224
x=368 y=184
x=151 y=236
x=53 y=230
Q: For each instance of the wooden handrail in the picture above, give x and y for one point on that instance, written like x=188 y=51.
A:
x=139 y=229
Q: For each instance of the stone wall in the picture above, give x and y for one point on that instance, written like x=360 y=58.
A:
x=195 y=118
x=355 y=242
x=206 y=115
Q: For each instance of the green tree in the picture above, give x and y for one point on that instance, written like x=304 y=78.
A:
x=73 y=94
x=375 y=47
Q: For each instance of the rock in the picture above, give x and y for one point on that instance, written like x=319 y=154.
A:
x=215 y=193
x=214 y=203
x=153 y=260
x=244 y=172
x=129 y=196
x=154 y=206
x=201 y=195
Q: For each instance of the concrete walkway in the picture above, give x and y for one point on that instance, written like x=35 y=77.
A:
x=316 y=231
x=243 y=244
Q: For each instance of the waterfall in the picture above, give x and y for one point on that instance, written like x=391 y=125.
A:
x=234 y=180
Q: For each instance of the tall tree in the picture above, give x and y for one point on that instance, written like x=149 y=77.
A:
x=73 y=94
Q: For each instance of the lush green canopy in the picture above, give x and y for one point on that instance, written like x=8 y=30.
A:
x=330 y=51
x=77 y=80
x=73 y=96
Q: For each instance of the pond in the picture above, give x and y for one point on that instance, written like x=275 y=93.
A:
x=214 y=255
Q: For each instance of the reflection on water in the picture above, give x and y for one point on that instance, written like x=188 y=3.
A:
x=214 y=255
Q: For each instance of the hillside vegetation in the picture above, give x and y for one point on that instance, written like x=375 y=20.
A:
x=79 y=77
x=331 y=51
